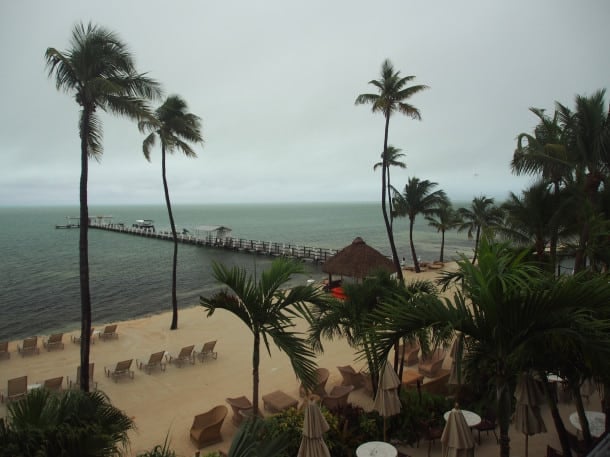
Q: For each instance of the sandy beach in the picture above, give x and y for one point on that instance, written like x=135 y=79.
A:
x=166 y=402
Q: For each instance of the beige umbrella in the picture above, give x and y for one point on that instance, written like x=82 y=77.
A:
x=457 y=438
x=527 y=418
x=314 y=426
x=387 y=402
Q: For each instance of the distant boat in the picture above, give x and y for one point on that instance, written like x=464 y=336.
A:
x=145 y=224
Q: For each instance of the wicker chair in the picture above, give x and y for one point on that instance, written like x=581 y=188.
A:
x=337 y=398
x=206 y=427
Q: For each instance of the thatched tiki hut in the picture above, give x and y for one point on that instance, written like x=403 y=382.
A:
x=358 y=260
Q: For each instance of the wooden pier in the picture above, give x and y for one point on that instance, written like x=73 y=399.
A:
x=305 y=253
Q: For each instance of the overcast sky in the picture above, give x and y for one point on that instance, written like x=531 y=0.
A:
x=275 y=82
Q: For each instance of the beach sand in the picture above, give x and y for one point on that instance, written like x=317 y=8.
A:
x=164 y=403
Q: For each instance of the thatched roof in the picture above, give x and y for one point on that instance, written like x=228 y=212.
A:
x=357 y=260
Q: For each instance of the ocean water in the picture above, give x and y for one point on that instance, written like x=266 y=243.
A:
x=131 y=276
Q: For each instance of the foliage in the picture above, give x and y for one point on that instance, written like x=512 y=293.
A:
x=161 y=450
x=73 y=423
x=416 y=409
x=268 y=311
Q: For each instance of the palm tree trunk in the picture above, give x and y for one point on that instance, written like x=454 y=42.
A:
x=174 y=324
x=580 y=408
x=83 y=249
x=503 y=397
x=255 y=364
x=415 y=261
x=559 y=426
x=388 y=225
x=476 y=244
x=442 y=245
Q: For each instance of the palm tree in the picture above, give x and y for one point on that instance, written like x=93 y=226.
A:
x=445 y=218
x=175 y=127
x=392 y=96
x=506 y=309
x=99 y=71
x=268 y=312
x=417 y=198
x=72 y=423
x=480 y=217
x=393 y=160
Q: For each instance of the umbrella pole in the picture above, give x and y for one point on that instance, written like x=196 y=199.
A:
x=526 y=444
x=385 y=430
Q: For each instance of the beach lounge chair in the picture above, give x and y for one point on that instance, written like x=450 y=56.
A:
x=319 y=389
x=431 y=364
x=351 y=377
x=109 y=332
x=17 y=388
x=242 y=407
x=337 y=398
x=206 y=427
x=122 y=369
x=4 y=353
x=30 y=346
x=154 y=361
x=185 y=355
x=411 y=352
x=54 y=384
x=207 y=351
x=54 y=342
x=76 y=338
x=76 y=382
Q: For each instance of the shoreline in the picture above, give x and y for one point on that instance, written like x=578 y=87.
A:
x=164 y=403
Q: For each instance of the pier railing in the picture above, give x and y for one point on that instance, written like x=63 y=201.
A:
x=270 y=248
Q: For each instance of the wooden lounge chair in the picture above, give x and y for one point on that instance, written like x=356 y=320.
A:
x=122 y=369
x=337 y=398
x=54 y=342
x=411 y=352
x=17 y=388
x=185 y=355
x=206 y=427
x=436 y=386
x=242 y=407
x=431 y=364
x=154 y=361
x=109 y=332
x=76 y=338
x=30 y=346
x=319 y=389
x=76 y=382
x=54 y=384
x=4 y=353
x=207 y=351
x=351 y=377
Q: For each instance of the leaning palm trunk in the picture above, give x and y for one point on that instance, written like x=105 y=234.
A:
x=83 y=248
x=388 y=224
x=174 y=324
x=255 y=373
x=503 y=397
x=413 y=254
x=559 y=425
x=580 y=408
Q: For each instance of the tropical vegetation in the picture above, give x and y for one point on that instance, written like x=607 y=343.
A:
x=268 y=310
x=175 y=127
x=393 y=93
x=99 y=72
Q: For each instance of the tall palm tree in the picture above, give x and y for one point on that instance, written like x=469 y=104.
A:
x=175 y=127
x=480 y=217
x=392 y=97
x=417 y=198
x=393 y=160
x=506 y=308
x=445 y=218
x=268 y=312
x=99 y=71
x=71 y=424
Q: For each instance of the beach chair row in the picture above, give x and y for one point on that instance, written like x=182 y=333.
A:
x=29 y=346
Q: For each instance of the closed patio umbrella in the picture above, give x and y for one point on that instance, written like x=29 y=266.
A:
x=527 y=417
x=457 y=438
x=314 y=426
x=387 y=402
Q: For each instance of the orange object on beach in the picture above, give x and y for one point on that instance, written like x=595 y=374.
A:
x=338 y=293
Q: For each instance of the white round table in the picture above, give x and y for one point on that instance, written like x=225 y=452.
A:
x=472 y=419
x=376 y=449
x=597 y=422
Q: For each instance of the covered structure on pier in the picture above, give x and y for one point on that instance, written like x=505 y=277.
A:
x=213 y=233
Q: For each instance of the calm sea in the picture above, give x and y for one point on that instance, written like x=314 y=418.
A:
x=131 y=276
